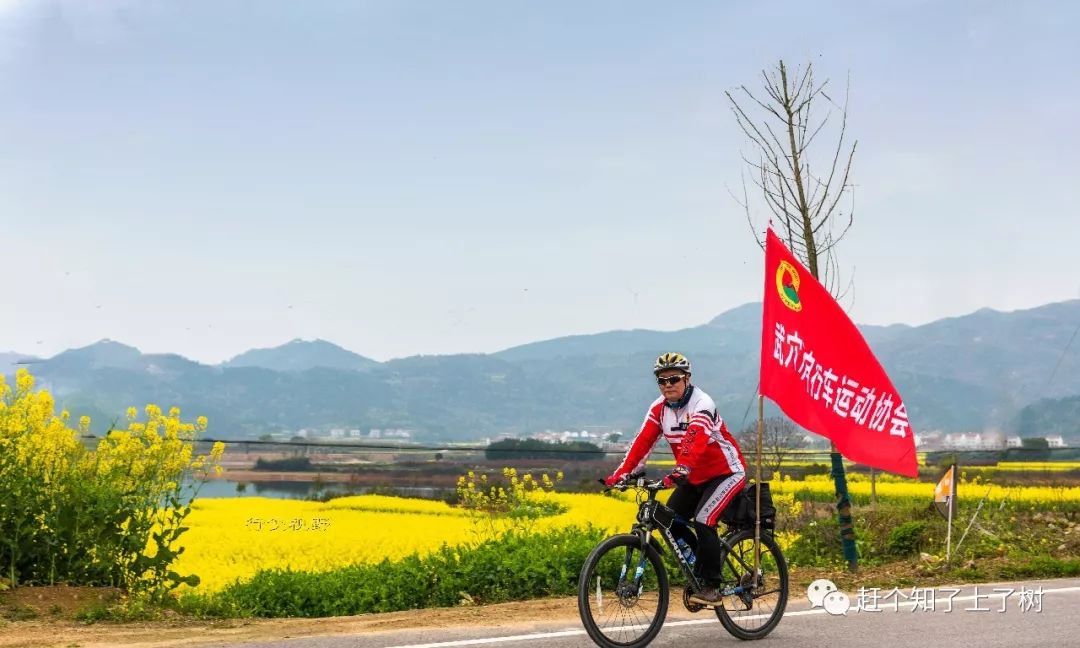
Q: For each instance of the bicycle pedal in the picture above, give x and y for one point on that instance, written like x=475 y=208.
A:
x=702 y=603
x=691 y=607
x=703 y=606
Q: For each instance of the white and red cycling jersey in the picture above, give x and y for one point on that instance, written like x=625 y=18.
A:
x=698 y=437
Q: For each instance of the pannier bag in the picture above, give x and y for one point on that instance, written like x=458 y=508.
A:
x=739 y=513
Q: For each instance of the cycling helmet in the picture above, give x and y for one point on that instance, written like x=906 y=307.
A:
x=671 y=361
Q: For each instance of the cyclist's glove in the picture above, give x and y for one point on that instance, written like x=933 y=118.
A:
x=612 y=480
x=679 y=476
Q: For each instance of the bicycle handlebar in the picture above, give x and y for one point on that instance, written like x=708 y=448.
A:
x=635 y=480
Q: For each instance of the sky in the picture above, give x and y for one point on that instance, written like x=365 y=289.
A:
x=408 y=178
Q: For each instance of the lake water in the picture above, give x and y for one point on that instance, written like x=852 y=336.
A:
x=301 y=490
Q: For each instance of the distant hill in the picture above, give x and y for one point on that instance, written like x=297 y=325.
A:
x=9 y=361
x=981 y=370
x=1011 y=355
x=104 y=353
x=301 y=355
x=957 y=373
x=733 y=329
x=1050 y=416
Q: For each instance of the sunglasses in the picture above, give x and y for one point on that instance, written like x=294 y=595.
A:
x=670 y=380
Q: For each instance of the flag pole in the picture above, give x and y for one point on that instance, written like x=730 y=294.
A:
x=843 y=509
x=757 y=498
x=952 y=505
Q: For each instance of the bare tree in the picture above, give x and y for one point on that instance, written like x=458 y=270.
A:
x=804 y=190
x=812 y=202
x=780 y=439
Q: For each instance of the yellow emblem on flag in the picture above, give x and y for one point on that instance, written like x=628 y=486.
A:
x=787 y=286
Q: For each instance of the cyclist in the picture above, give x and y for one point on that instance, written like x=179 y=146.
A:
x=709 y=467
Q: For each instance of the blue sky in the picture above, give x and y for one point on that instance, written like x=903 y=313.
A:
x=428 y=177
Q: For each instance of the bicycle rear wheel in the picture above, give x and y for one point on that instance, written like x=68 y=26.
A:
x=754 y=613
x=623 y=593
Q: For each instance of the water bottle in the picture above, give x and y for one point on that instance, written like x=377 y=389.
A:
x=687 y=551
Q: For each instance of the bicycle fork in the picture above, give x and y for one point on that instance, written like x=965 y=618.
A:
x=636 y=585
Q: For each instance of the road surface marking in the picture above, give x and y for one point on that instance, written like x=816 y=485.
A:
x=571 y=633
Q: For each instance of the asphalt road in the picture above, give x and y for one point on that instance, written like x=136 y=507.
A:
x=975 y=622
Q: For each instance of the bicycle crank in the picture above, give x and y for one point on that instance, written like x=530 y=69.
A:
x=693 y=607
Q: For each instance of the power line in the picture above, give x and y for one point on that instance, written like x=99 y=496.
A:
x=388 y=448
x=757 y=390
x=362 y=447
x=1062 y=356
x=556 y=450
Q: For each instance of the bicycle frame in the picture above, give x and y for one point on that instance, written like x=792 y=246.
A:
x=742 y=581
x=646 y=524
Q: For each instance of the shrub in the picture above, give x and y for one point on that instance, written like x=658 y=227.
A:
x=80 y=516
x=514 y=566
x=907 y=539
x=818 y=545
x=514 y=497
x=286 y=464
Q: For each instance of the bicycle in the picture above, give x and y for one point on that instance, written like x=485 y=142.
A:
x=616 y=579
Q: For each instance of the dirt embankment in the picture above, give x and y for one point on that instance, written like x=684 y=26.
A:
x=52 y=623
x=45 y=616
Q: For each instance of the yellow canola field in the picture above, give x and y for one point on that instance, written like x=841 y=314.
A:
x=1037 y=466
x=233 y=538
x=897 y=487
x=796 y=461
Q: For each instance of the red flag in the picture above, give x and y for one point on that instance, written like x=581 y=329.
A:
x=818 y=368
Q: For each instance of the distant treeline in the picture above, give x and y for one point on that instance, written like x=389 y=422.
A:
x=537 y=449
x=288 y=464
x=1050 y=416
x=992 y=457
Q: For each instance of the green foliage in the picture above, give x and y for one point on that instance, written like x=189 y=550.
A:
x=818 y=545
x=907 y=539
x=514 y=566
x=1041 y=567
x=127 y=610
x=891 y=531
x=1020 y=568
x=508 y=449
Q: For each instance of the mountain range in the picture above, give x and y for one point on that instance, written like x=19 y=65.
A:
x=1012 y=371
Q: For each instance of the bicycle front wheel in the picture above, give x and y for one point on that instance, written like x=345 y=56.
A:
x=623 y=593
x=755 y=606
